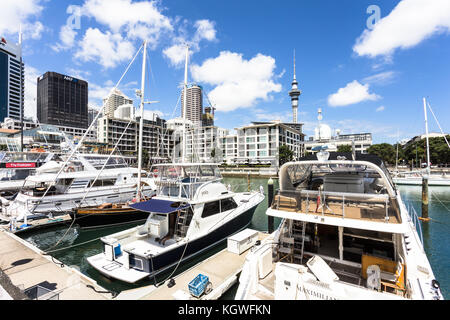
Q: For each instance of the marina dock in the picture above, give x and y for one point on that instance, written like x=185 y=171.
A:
x=28 y=268
x=222 y=269
x=38 y=224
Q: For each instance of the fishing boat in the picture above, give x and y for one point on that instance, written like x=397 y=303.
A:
x=191 y=212
x=345 y=234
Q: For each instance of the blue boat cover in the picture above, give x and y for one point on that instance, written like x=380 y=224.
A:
x=159 y=206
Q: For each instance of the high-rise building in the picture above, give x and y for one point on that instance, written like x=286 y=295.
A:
x=62 y=100
x=194 y=104
x=294 y=94
x=208 y=118
x=11 y=80
x=115 y=100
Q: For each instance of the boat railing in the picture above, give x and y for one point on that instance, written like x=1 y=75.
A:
x=413 y=217
x=303 y=201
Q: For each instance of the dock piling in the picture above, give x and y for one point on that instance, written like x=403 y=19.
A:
x=425 y=198
x=269 y=203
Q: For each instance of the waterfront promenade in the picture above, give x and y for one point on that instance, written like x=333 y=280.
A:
x=26 y=266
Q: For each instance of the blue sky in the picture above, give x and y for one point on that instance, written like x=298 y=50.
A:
x=365 y=80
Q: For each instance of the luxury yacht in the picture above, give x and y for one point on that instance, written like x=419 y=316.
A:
x=345 y=234
x=15 y=167
x=192 y=211
x=81 y=183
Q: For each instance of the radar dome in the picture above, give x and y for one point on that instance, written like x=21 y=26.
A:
x=322 y=132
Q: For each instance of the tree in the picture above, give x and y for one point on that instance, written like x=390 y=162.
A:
x=344 y=148
x=285 y=155
x=145 y=158
x=383 y=150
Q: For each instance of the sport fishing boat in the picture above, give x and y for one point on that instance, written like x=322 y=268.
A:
x=345 y=234
x=192 y=211
x=81 y=183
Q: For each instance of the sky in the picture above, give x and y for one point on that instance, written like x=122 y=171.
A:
x=366 y=64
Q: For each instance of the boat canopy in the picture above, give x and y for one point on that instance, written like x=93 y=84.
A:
x=159 y=206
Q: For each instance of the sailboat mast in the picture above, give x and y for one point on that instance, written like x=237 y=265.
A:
x=426 y=133
x=141 y=124
x=184 y=105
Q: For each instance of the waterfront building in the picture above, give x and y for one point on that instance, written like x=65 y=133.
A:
x=62 y=100
x=11 y=80
x=259 y=143
x=114 y=101
x=72 y=132
x=157 y=139
x=204 y=144
x=194 y=104
x=323 y=135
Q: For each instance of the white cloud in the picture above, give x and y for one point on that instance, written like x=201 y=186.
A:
x=380 y=108
x=14 y=14
x=176 y=53
x=67 y=36
x=139 y=20
x=107 y=49
x=31 y=74
x=352 y=93
x=205 y=30
x=380 y=78
x=409 y=23
x=239 y=83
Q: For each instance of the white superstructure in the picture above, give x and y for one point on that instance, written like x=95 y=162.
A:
x=345 y=234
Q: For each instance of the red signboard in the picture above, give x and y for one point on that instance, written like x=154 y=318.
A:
x=21 y=165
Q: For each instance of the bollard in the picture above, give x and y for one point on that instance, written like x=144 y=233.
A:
x=425 y=198
x=270 y=198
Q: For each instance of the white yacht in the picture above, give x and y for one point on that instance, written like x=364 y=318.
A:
x=192 y=211
x=414 y=178
x=117 y=182
x=15 y=167
x=345 y=234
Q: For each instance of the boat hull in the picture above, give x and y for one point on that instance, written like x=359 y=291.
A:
x=96 y=218
x=169 y=258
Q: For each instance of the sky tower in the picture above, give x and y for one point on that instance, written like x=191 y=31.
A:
x=295 y=93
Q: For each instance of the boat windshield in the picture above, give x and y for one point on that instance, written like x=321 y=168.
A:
x=183 y=180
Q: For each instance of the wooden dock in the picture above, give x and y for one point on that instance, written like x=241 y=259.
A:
x=222 y=270
x=27 y=266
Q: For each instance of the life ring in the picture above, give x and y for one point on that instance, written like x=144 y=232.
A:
x=70 y=169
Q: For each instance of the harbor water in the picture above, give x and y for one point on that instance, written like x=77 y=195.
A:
x=81 y=243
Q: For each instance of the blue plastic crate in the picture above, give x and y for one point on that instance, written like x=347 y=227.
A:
x=198 y=285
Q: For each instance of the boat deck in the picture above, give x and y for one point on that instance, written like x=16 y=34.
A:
x=362 y=211
x=221 y=268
